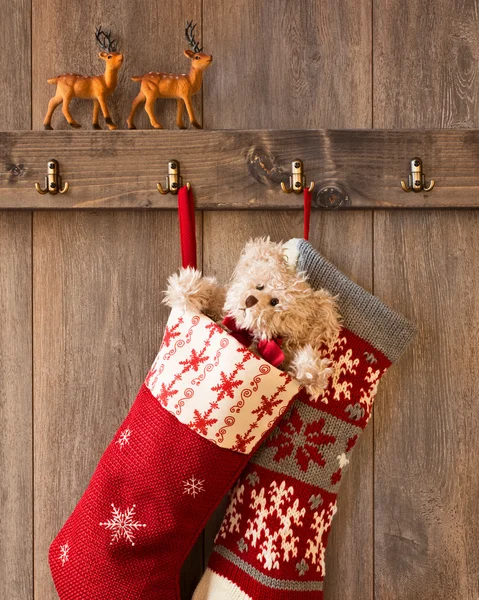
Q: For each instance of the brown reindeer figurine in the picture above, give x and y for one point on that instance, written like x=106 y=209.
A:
x=166 y=85
x=95 y=87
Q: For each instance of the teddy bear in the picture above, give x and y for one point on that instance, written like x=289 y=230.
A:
x=269 y=307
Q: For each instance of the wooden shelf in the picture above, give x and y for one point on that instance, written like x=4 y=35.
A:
x=232 y=169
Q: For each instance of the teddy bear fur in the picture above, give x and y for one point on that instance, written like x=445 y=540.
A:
x=270 y=299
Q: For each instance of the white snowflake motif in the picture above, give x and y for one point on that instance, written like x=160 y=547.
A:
x=64 y=550
x=275 y=524
x=193 y=486
x=343 y=460
x=122 y=524
x=124 y=439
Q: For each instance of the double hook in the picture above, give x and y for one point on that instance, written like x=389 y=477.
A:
x=416 y=179
x=53 y=180
x=173 y=180
x=297 y=180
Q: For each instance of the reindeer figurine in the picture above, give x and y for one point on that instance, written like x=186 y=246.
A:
x=166 y=85
x=95 y=87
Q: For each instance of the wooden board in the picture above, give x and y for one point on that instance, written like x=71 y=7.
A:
x=425 y=57
x=15 y=65
x=98 y=323
x=16 y=493
x=15 y=407
x=426 y=421
x=121 y=169
x=151 y=37
x=287 y=65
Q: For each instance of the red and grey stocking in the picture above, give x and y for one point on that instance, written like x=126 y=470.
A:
x=272 y=542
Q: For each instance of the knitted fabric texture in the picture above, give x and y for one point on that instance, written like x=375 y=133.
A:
x=205 y=406
x=272 y=542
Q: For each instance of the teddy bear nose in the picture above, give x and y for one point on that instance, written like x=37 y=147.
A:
x=251 y=301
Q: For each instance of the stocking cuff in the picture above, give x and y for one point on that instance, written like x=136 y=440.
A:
x=362 y=313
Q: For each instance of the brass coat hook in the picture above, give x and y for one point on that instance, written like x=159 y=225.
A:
x=173 y=180
x=53 y=180
x=297 y=180
x=416 y=179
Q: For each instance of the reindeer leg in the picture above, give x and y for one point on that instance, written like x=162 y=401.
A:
x=106 y=113
x=96 y=111
x=66 y=112
x=191 y=113
x=54 y=102
x=134 y=107
x=150 y=109
x=179 y=114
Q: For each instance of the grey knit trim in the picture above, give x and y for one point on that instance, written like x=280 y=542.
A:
x=271 y=582
x=362 y=313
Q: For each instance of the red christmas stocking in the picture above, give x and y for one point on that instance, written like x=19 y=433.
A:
x=272 y=542
x=205 y=406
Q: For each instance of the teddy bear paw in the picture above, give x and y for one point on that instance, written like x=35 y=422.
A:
x=311 y=371
x=190 y=291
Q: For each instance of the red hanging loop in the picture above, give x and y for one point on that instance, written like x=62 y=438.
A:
x=186 y=217
x=307 y=212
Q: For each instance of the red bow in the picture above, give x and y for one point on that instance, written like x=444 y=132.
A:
x=270 y=350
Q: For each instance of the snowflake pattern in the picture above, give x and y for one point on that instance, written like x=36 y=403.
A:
x=265 y=523
x=64 y=553
x=227 y=385
x=316 y=547
x=274 y=529
x=215 y=386
x=171 y=333
x=124 y=439
x=123 y=525
x=193 y=486
x=232 y=518
x=195 y=360
x=303 y=440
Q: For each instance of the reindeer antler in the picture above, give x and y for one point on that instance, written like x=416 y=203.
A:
x=105 y=41
x=189 y=33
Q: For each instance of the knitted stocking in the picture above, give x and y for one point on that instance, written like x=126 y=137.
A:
x=272 y=542
x=205 y=406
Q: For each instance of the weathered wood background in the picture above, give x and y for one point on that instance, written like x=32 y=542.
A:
x=81 y=318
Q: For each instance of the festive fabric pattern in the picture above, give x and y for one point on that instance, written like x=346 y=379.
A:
x=272 y=542
x=206 y=404
x=218 y=401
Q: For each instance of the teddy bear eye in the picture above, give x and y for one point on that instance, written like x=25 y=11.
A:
x=274 y=301
x=260 y=287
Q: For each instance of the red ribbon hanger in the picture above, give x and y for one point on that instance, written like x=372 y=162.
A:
x=186 y=217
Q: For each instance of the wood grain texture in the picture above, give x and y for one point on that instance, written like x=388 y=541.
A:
x=98 y=322
x=16 y=490
x=15 y=65
x=346 y=239
x=425 y=64
x=120 y=169
x=426 y=444
x=16 y=581
x=288 y=65
x=151 y=36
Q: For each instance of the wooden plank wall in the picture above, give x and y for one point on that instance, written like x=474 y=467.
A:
x=16 y=489
x=425 y=265
x=90 y=283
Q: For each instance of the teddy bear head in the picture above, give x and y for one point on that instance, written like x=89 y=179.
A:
x=268 y=297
